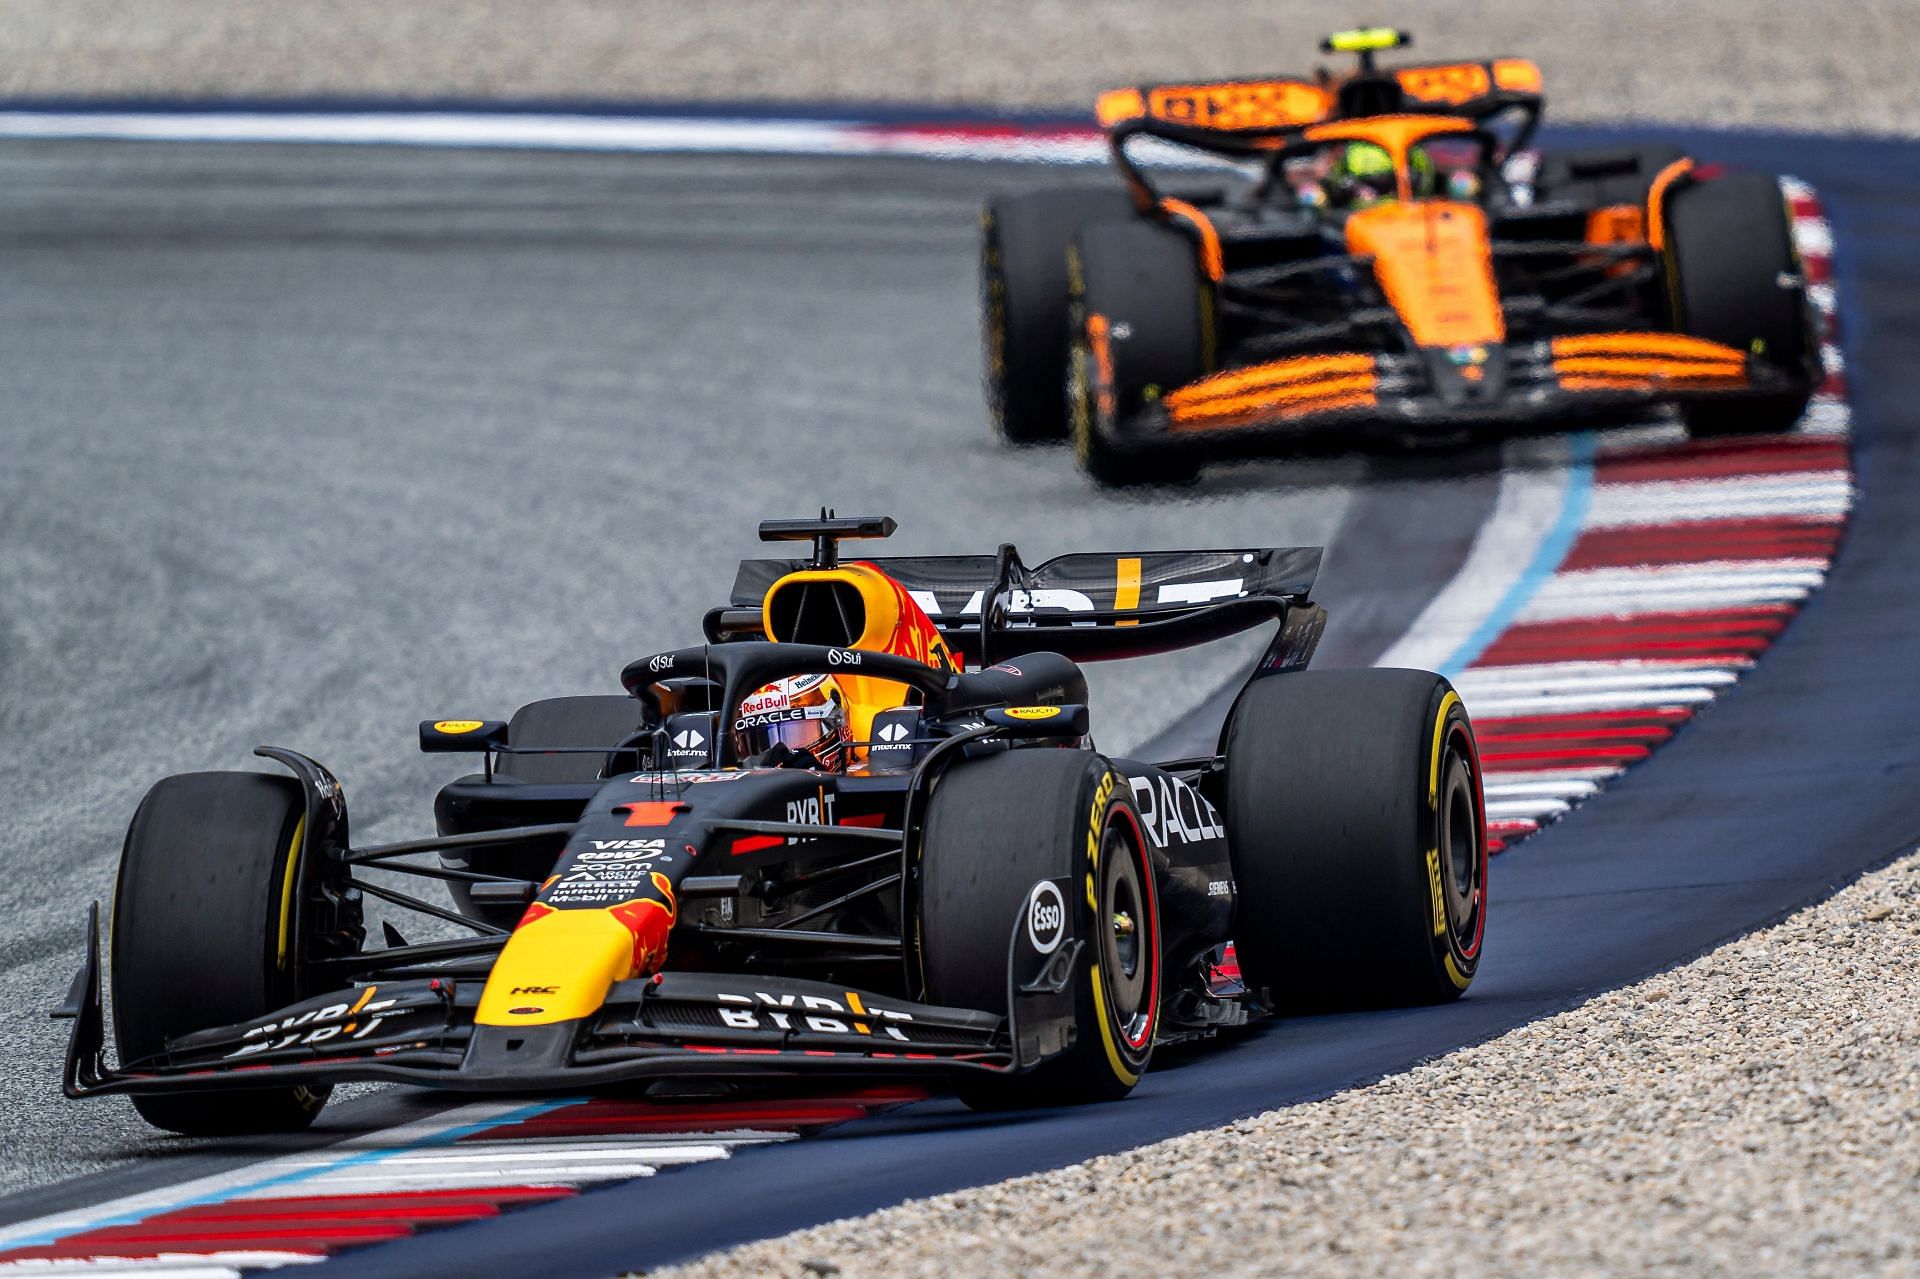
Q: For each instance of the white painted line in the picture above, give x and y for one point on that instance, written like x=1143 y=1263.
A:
x=272 y=1178
x=1814 y=237
x=1691 y=575
x=1552 y=676
x=1532 y=809
x=563 y=132
x=120 y=1268
x=1634 y=604
x=171 y=1265
x=1499 y=774
x=376 y=1181
x=1571 y=703
x=1567 y=789
x=504 y=1156
x=1827 y=415
x=1687 y=501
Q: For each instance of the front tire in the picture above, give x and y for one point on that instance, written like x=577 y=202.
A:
x=997 y=826
x=206 y=932
x=1143 y=319
x=1355 y=818
x=1023 y=303
x=1734 y=276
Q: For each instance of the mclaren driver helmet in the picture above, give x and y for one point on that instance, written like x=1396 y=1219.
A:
x=1363 y=175
x=803 y=715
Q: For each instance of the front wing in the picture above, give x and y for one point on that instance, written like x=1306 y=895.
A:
x=1516 y=384
x=423 y=1031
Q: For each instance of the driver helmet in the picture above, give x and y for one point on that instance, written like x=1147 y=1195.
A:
x=803 y=714
x=1363 y=175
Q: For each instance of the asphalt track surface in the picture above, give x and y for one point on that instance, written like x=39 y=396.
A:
x=421 y=575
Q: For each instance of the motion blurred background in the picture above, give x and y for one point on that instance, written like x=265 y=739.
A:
x=1835 y=65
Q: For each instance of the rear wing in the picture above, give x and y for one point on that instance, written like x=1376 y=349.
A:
x=1220 y=112
x=1092 y=606
x=1252 y=117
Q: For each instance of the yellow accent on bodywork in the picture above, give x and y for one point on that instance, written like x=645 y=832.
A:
x=1126 y=590
x=288 y=878
x=578 y=953
x=886 y=627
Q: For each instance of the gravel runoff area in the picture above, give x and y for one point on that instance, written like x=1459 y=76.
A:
x=1756 y=1111
x=1841 y=65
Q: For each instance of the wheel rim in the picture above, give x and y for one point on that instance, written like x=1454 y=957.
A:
x=1128 y=937
x=1461 y=856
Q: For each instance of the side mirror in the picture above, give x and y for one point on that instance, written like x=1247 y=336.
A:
x=1040 y=721
x=461 y=736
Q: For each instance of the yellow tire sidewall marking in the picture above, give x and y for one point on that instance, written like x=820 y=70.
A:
x=288 y=877
x=1105 y=1018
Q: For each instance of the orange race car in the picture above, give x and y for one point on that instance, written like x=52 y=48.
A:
x=1371 y=261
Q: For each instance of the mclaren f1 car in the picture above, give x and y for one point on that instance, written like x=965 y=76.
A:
x=861 y=829
x=1373 y=262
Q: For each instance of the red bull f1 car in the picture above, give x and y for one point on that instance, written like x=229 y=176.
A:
x=1375 y=264
x=861 y=829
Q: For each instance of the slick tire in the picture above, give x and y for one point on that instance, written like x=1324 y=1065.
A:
x=1734 y=276
x=1143 y=319
x=568 y=721
x=1023 y=304
x=1356 y=824
x=205 y=933
x=995 y=827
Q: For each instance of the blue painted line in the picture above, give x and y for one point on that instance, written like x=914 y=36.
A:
x=1547 y=558
x=375 y=1155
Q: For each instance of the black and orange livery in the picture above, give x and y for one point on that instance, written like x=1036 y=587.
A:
x=978 y=894
x=1483 y=286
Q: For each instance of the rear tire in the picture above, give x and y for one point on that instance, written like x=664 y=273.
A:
x=1729 y=248
x=568 y=721
x=204 y=934
x=1143 y=319
x=1356 y=822
x=1023 y=297
x=997 y=826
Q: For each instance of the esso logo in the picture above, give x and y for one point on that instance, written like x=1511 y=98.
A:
x=1046 y=917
